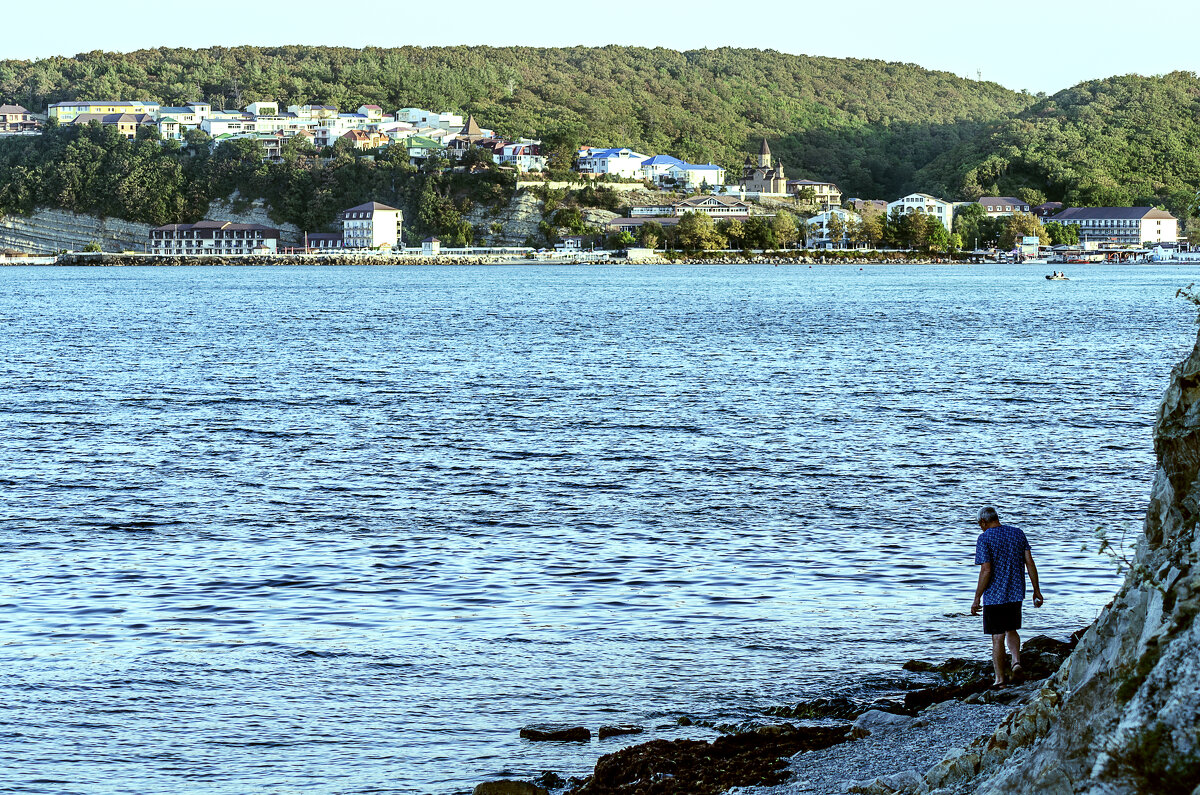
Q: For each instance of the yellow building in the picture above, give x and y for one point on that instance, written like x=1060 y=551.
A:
x=126 y=123
x=67 y=112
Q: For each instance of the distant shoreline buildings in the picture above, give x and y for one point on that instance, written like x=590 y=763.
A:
x=757 y=190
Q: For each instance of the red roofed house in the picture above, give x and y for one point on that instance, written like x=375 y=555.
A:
x=366 y=139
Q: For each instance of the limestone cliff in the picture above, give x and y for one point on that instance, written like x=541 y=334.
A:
x=1122 y=715
x=47 y=231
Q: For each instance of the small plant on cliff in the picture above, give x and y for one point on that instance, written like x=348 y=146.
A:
x=1187 y=294
x=93 y=247
x=1118 y=553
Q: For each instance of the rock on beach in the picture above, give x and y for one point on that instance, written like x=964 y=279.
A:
x=556 y=732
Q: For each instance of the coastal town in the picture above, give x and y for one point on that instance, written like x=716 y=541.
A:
x=695 y=206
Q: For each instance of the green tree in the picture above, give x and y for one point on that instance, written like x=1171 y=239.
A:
x=1062 y=234
x=698 y=233
x=835 y=227
x=650 y=234
x=872 y=224
x=1020 y=225
x=757 y=233
x=784 y=227
x=937 y=237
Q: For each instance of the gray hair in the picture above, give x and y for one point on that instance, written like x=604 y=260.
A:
x=988 y=515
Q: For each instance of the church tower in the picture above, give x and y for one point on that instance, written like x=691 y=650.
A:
x=764 y=155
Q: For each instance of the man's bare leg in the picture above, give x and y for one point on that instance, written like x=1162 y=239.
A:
x=998 y=658
x=1014 y=647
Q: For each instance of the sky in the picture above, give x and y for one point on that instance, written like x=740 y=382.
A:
x=1042 y=47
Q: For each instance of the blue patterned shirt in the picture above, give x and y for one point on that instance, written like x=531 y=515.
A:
x=1003 y=547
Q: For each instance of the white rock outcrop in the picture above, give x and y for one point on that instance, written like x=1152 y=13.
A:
x=1122 y=714
x=48 y=231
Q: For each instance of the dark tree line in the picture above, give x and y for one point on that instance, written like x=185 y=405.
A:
x=93 y=169
x=868 y=125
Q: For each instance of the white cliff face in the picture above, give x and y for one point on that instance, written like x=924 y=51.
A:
x=49 y=231
x=1122 y=715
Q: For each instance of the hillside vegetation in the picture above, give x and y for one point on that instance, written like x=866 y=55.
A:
x=869 y=125
x=1121 y=141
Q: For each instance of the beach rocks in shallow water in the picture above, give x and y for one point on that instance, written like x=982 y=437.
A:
x=617 y=731
x=556 y=732
x=695 y=767
x=508 y=787
x=550 y=780
x=836 y=707
x=874 y=721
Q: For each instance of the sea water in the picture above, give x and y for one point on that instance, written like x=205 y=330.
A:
x=346 y=530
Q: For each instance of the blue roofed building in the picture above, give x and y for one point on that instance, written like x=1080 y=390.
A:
x=621 y=162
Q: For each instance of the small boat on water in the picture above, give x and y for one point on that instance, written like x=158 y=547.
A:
x=1057 y=277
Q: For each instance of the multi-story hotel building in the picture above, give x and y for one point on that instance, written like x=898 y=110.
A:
x=213 y=237
x=65 y=112
x=371 y=225
x=1135 y=225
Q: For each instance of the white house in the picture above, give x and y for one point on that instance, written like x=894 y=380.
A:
x=426 y=118
x=620 y=162
x=524 y=155
x=1135 y=225
x=924 y=203
x=716 y=206
x=191 y=115
x=655 y=168
x=371 y=225
x=818 y=227
x=263 y=108
x=691 y=176
x=1000 y=206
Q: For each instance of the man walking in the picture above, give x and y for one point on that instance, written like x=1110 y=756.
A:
x=1002 y=552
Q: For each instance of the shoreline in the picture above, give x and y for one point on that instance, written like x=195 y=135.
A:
x=823 y=746
x=798 y=258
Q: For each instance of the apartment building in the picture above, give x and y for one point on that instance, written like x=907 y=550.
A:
x=826 y=194
x=924 y=203
x=371 y=225
x=1129 y=225
x=67 y=112
x=212 y=238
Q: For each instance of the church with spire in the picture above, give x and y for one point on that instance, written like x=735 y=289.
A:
x=763 y=177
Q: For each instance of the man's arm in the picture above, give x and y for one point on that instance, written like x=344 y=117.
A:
x=1038 y=601
x=985 y=577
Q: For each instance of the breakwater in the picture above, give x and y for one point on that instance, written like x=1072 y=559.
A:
x=378 y=258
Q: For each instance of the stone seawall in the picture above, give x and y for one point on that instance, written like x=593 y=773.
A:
x=247 y=260
x=48 y=231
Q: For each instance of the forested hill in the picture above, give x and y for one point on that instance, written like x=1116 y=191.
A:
x=1121 y=141
x=869 y=125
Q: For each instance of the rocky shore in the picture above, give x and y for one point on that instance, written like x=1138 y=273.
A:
x=821 y=745
x=1116 y=712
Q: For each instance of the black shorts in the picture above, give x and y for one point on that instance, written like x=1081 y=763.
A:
x=998 y=619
